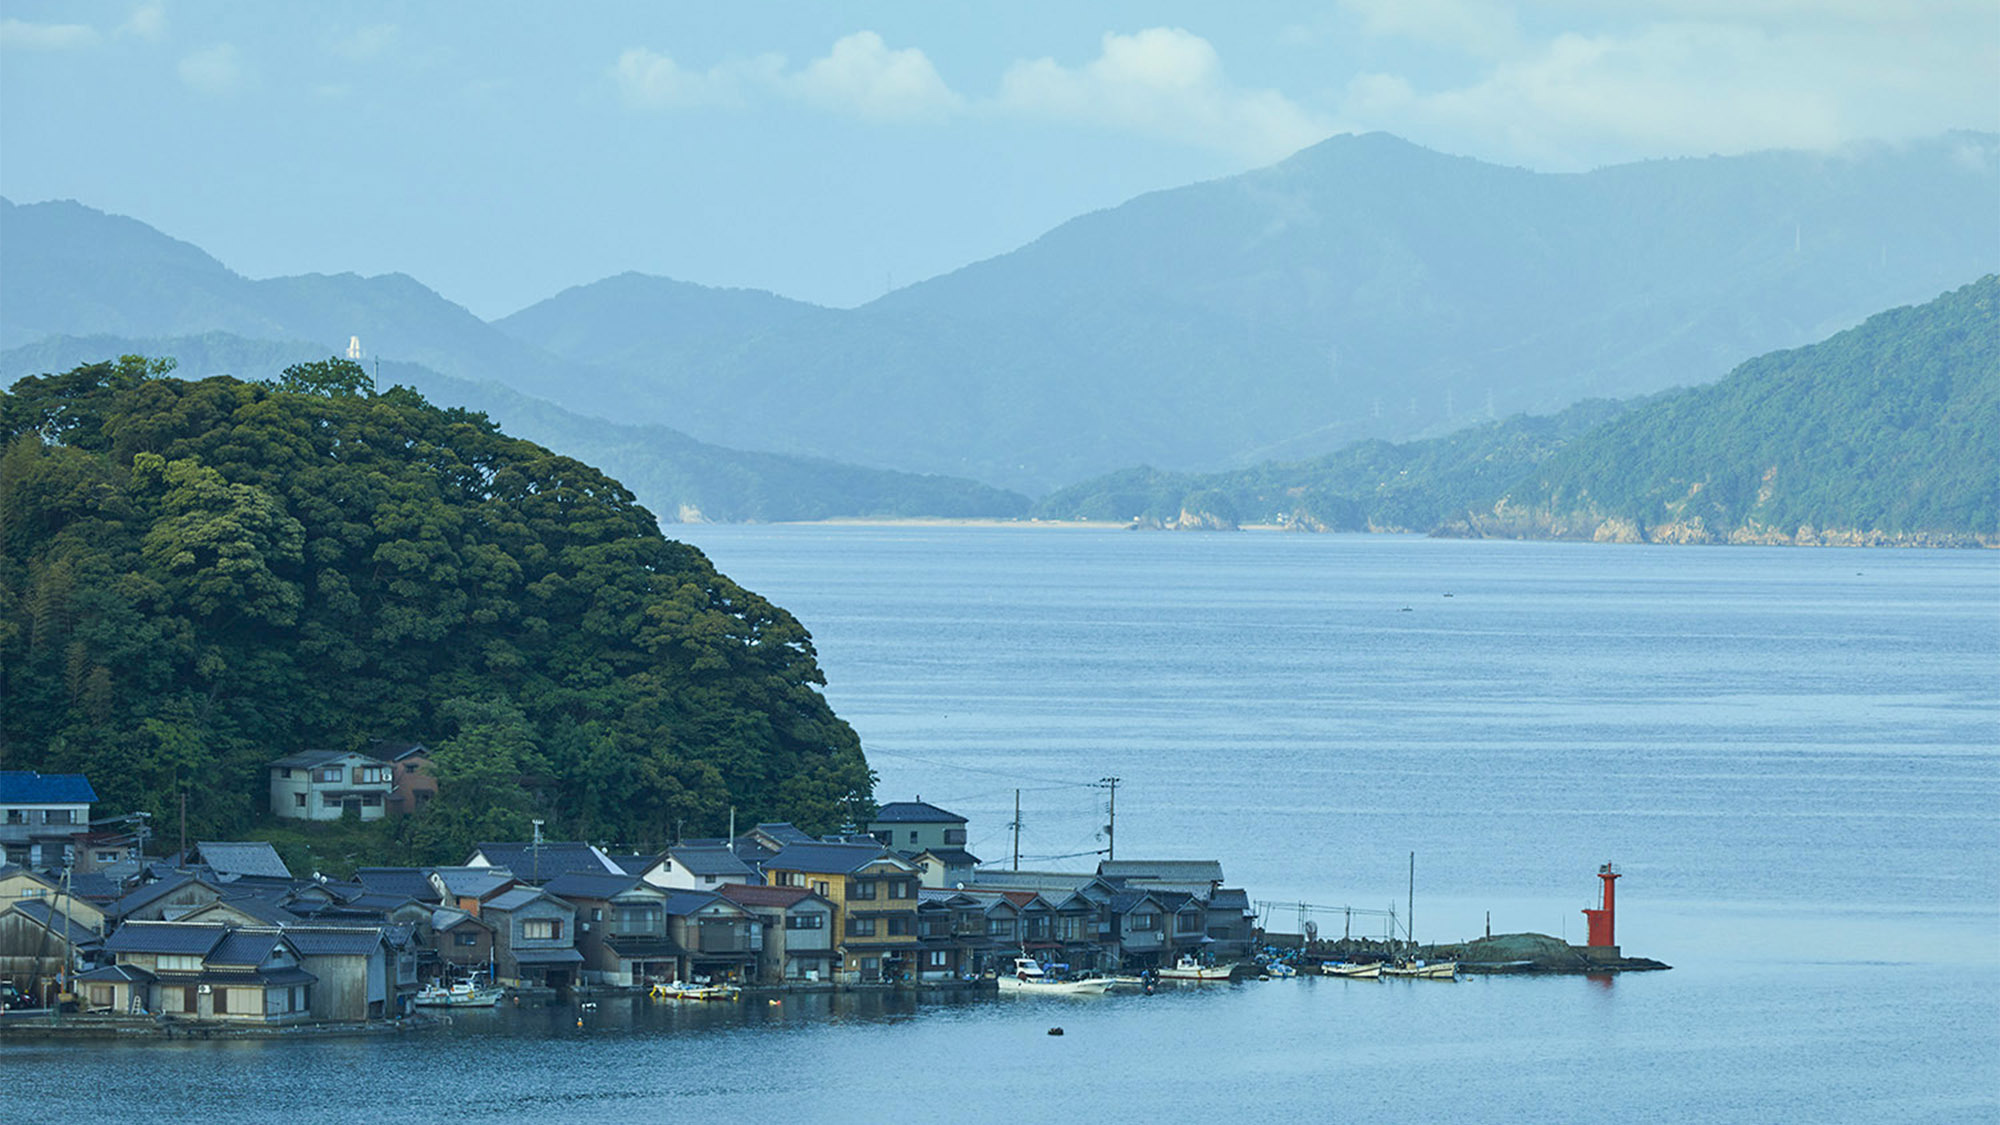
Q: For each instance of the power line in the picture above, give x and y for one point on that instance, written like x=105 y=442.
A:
x=1046 y=782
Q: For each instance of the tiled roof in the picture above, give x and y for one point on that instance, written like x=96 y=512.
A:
x=590 y=884
x=245 y=947
x=26 y=787
x=991 y=878
x=717 y=860
x=414 y=882
x=687 y=902
x=141 y=897
x=633 y=864
x=1163 y=870
x=474 y=882
x=952 y=857
x=548 y=957
x=445 y=917
x=132 y=973
x=320 y=941
x=1229 y=898
x=785 y=833
x=264 y=908
x=165 y=937
x=546 y=861
x=94 y=886
x=915 y=812
x=390 y=750
x=253 y=857
x=828 y=858
x=520 y=897
x=743 y=894
x=57 y=922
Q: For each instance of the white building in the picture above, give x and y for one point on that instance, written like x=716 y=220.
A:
x=323 y=784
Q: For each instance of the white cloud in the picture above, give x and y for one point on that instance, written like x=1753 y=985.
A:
x=1166 y=82
x=369 y=42
x=20 y=35
x=862 y=76
x=1596 y=83
x=147 y=21
x=649 y=79
x=213 y=70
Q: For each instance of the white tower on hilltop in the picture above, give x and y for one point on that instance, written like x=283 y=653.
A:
x=354 y=347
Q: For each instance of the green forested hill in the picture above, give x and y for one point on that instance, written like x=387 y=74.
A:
x=199 y=577
x=1888 y=431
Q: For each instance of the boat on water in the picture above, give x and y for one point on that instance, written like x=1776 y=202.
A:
x=1370 y=971
x=1276 y=970
x=1419 y=970
x=1187 y=968
x=680 y=991
x=1029 y=978
x=458 y=994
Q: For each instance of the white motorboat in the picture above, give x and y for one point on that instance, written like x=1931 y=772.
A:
x=1419 y=970
x=1187 y=968
x=1370 y=971
x=1029 y=978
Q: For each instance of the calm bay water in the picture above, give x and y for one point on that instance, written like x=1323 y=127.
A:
x=1793 y=755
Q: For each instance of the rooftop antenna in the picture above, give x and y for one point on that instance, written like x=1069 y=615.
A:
x=1111 y=829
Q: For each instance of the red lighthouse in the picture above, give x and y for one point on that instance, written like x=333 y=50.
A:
x=1601 y=920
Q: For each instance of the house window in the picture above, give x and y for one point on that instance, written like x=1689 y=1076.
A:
x=371 y=775
x=805 y=921
x=902 y=927
x=1144 y=922
x=596 y=914
x=1000 y=927
x=298 y=800
x=60 y=816
x=864 y=890
x=541 y=929
x=285 y=771
x=902 y=888
x=106 y=857
x=330 y=775
x=329 y=800
x=913 y=836
x=179 y=963
x=937 y=958
x=785 y=878
x=861 y=927
x=100 y=996
x=372 y=800
x=17 y=816
x=821 y=889
x=1188 y=923
x=955 y=836
x=465 y=940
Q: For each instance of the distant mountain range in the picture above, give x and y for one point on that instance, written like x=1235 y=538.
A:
x=1364 y=288
x=78 y=286
x=1883 y=434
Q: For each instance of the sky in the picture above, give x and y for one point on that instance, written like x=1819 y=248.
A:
x=502 y=152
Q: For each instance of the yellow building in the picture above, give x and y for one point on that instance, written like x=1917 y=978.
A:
x=874 y=895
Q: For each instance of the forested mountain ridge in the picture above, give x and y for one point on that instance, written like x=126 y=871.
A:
x=1883 y=434
x=1886 y=433
x=1362 y=288
x=199 y=577
x=78 y=285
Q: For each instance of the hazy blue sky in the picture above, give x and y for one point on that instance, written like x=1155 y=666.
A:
x=501 y=152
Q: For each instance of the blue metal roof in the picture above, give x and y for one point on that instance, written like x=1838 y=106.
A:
x=828 y=858
x=26 y=787
x=165 y=937
x=915 y=812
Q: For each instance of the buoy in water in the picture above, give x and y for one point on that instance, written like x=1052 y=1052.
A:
x=1055 y=1031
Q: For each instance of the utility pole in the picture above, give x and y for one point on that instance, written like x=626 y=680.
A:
x=1111 y=828
x=184 y=826
x=535 y=849
x=1410 y=919
x=1016 y=826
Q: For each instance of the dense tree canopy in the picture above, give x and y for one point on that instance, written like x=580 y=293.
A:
x=200 y=577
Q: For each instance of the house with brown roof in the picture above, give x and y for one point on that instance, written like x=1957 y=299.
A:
x=798 y=931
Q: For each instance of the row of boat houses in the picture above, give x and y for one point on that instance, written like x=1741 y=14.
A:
x=227 y=933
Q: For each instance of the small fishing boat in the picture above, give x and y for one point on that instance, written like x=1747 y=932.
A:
x=1419 y=970
x=1370 y=971
x=1029 y=978
x=466 y=993
x=1187 y=968
x=679 y=991
x=1276 y=970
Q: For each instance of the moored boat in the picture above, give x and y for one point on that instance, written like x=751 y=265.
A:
x=1419 y=970
x=1029 y=978
x=679 y=991
x=1370 y=971
x=1187 y=968
x=458 y=994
